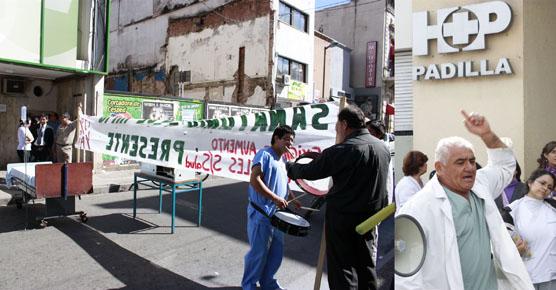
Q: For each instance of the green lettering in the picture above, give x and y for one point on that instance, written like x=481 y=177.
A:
x=178 y=147
x=323 y=113
x=277 y=118
x=142 y=147
x=243 y=122
x=111 y=136
x=125 y=143
x=133 y=151
x=154 y=148
x=299 y=118
x=260 y=121
x=117 y=136
x=165 y=148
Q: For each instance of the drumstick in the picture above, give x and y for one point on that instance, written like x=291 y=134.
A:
x=309 y=208
x=297 y=197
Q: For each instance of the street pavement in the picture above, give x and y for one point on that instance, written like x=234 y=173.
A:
x=114 y=251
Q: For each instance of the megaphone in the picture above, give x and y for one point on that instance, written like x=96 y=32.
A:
x=410 y=246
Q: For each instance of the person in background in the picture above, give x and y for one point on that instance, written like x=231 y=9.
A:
x=42 y=147
x=514 y=191
x=268 y=190
x=535 y=221
x=414 y=165
x=24 y=140
x=65 y=136
x=54 y=121
x=547 y=160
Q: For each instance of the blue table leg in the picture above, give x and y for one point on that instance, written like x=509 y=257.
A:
x=200 y=203
x=160 y=198
x=134 y=195
x=173 y=205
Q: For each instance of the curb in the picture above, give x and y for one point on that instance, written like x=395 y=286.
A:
x=109 y=188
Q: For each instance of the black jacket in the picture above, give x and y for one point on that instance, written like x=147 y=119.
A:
x=520 y=191
x=359 y=170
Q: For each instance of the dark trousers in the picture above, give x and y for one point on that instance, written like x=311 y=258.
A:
x=349 y=255
x=23 y=156
x=41 y=153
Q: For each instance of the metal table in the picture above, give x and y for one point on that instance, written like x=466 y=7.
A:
x=168 y=185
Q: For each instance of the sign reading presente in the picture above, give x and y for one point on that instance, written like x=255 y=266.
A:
x=460 y=29
x=222 y=147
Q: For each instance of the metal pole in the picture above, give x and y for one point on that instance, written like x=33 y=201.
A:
x=324 y=73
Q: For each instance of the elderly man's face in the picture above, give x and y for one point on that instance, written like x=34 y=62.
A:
x=458 y=174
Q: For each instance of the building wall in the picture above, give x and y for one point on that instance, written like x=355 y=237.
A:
x=404 y=18
x=539 y=71
x=295 y=44
x=437 y=103
x=354 y=25
x=337 y=68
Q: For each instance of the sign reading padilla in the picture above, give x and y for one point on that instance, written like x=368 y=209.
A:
x=466 y=28
x=222 y=147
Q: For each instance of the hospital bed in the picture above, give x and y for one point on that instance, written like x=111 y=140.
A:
x=57 y=183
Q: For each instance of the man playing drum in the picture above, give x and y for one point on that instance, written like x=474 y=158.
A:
x=358 y=164
x=268 y=190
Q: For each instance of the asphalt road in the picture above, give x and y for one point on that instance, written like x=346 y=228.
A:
x=114 y=251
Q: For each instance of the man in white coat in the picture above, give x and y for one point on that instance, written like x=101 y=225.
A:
x=468 y=246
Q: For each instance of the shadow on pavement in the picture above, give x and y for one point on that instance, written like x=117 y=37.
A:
x=132 y=270
x=224 y=211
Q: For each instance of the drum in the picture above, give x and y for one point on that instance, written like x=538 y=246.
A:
x=314 y=187
x=290 y=223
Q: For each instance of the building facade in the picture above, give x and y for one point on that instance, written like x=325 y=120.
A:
x=244 y=52
x=492 y=57
x=367 y=27
x=331 y=69
x=53 y=55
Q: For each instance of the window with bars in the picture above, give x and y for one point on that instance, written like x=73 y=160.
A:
x=293 y=17
x=295 y=69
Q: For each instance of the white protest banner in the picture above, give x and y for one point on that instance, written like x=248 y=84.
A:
x=222 y=147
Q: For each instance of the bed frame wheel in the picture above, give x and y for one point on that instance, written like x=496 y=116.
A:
x=43 y=224
x=83 y=217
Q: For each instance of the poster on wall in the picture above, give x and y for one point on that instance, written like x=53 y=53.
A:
x=160 y=111
x=297 y=91
x=217 y=111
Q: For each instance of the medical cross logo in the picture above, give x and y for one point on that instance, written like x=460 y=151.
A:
x=460 y=28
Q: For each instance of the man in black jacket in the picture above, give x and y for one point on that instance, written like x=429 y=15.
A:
x=358 y=164
x=42 y=147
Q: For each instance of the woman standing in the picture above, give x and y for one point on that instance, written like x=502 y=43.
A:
x=535 y=221
x=24 y=140
x=414 y=165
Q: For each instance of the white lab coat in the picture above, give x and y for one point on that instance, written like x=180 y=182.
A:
x=431 y=208
x=405 y=189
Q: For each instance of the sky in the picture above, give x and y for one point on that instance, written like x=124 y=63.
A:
x=319 y=4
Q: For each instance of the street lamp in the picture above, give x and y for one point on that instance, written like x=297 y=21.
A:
x=332 y=44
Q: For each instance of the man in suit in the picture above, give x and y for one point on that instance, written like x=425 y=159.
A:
x=42 y=147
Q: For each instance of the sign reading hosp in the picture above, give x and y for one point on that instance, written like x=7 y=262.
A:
x=222 y=147
x=467 y=31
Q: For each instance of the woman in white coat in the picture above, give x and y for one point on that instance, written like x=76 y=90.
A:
x=414 y=165
x=535 y=221
x=24 y=140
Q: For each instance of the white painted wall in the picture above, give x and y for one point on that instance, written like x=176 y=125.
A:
x=404 y=18
x=295 y=44
x=213 y=54
x=142 y=43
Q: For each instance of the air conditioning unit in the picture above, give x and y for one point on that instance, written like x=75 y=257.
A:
x=13 y=87
x=286 y=80
x=38 y=88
